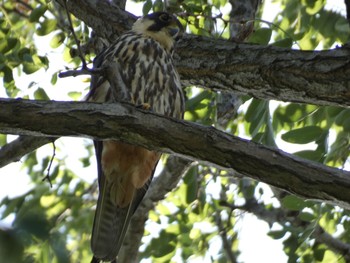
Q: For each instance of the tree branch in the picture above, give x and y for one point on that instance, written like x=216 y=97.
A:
x=266 y=72
x=333 y=244
x=242 y=17
x=283 y=217
x=226 y=242
x=106 y=18
x=15 y=150
x=127 y=123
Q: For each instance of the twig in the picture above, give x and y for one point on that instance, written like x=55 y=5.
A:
x=227 y=243
x=83 y=71
x=47 y=177
x=15 y=150
x=80 y=53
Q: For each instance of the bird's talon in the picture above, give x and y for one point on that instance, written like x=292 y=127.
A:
x=144 y=106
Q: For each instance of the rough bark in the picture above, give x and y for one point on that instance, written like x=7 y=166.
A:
x=15 y=150
x=266 y=72
x=106 y=18
x=126 y=123
x=242 y=17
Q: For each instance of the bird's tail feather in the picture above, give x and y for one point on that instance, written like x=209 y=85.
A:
x=111 y=222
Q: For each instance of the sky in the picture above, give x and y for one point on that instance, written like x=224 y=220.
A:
x=256 y=246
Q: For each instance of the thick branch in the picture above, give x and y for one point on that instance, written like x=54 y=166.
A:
x=126 y=123
x=105 y=17
x=266 y=72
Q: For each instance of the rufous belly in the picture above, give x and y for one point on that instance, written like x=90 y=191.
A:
x=126 y=167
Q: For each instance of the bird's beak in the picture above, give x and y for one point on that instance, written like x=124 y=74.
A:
x=175 y=29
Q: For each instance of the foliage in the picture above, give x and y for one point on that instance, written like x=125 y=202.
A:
x=54 y=224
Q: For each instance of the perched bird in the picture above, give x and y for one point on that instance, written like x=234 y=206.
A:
x=138 y=68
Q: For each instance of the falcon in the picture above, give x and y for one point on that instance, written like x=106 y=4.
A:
x=137 y=68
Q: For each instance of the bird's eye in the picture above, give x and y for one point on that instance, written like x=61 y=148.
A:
x=164 y=17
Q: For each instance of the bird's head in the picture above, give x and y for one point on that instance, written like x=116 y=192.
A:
x=161 y=26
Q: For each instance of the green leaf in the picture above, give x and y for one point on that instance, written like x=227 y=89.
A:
x=255 y=107
x=54 y=79
x=303 y=135
x=256 y=115
x=3 y=139
x=34 y=222
x=46 y=27
x=194 y=103
x=75 y=95
x=25 y=54
x=299 y=35
x=163 y=209
x=305 y=216
x=343 y=118
x=43 y=60
x=57 y=40
x=190 y=181
x=158 y=6
x=147 y=7
x=277 y=234
x=310 y=155
x=286 y=42
x=40 y=94
x=11 y=205
x=313 y=7
x=11 y=245
x=11 y=89
x=247 y=187
x=8 y=76
x=296 y=112
x=319 y=254
x=342 y=26
x=30 y=68
x=261 y=36
x=164 y=246
x=8 y=44
x=293 y=203
x=37 y=13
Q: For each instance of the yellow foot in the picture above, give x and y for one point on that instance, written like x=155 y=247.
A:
x=144 y=106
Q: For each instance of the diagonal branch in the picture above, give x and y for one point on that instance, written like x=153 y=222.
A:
x=284 y=218
x=15 y=150
x=126 y=123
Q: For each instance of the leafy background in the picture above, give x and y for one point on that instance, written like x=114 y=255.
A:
x=201 y=219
